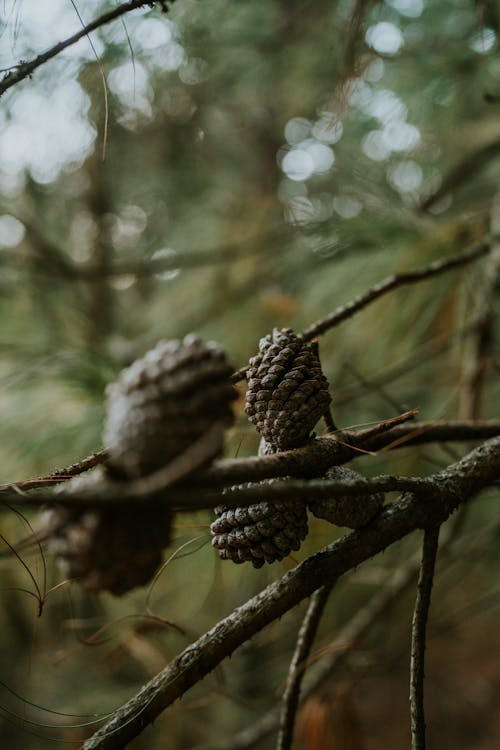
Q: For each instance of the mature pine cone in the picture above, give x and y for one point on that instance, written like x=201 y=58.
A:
x=157 y=408
x=113 y=549
x=259 y=533
x=164 y=402
x=287 y=392
x=352 y=511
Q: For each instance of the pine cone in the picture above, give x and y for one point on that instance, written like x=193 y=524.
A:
x=165 y=401
x=352 y=511
x=259 y=533
x=287 y=392
x=156 y=409
x=113 y=549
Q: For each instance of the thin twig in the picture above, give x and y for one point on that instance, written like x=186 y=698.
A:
x=89 y=462
x=305 y=639
x=329 y=421
x=60 y=475
x=383 y=287
x=25 y=69
x=419 y=625
x=393 y=282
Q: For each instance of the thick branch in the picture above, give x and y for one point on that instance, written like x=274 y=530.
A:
x=312 y=460
x=419 y=625
x=457 y=483
x=25 y=69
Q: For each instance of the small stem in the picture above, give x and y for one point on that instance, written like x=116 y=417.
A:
x=329 y=421
x=61 y=475
x=303 y=646
x=25 y=69
x=419 y=625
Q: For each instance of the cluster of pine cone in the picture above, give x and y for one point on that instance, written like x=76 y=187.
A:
x=158 y=409
x=287 y=393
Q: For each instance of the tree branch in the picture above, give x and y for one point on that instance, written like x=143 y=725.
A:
x=349 y=637
x=305 y=639
x=419 y=625
x=457 y=483
x=60 y=475
x=395 y=281
x=312 y=460
x=25 y=69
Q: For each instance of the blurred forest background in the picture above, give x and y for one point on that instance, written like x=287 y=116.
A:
x=223 y=168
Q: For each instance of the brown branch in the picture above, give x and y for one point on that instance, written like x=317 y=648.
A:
x=196 y=497
x=440 y=432
x=419 y=625
x=316 y=457
x=457 y=483
x=305 y=639
x=312 y=460
x=60 y=475
x=323 y=489
x=26 y=69
x=166 y=476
